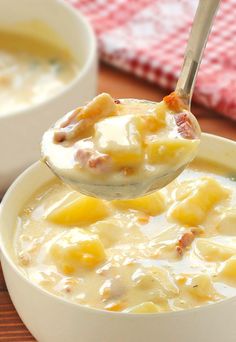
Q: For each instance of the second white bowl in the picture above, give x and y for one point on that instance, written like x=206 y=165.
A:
x=20 y=132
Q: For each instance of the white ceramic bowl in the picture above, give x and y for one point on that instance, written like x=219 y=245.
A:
x=52 y=319
x=20 y=132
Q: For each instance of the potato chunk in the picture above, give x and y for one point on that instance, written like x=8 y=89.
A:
x=194 y=209
x=229 y=269
x=77 y=249
x=152 y=205
x=148 y=123
x=202 y=287
x=160 y=110
x=213 y=251
x=118 y=137
x=153 y=121
x=101 y=106
x=78 y=210
x=164 y=150
x=146 y=307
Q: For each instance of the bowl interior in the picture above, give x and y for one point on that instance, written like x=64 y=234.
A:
x=67 y=24
x=66 y=28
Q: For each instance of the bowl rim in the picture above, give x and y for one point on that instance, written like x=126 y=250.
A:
x=122 y=315
x=90 y=59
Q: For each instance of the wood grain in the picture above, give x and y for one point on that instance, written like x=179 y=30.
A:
x=120 y=85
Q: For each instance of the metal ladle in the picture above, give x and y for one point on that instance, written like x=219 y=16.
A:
x=196 y=44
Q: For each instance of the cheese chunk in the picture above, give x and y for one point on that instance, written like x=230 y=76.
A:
x=151 y=205
x=75 y=249
x=164 y=150
x=146 y=307
x=77 y=209
x=213 y=251
x=194 y=209
x=118 y=137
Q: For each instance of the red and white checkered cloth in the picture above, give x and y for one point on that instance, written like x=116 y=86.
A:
x=148 y=38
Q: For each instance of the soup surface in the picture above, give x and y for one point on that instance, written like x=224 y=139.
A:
x=31 y=70
x=172 y=250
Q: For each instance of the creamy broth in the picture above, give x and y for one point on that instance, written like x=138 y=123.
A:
x=31 y=70
x=172 y=250
x=116 y=142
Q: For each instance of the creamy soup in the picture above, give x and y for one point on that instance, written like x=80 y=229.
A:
x=31 y=70
x=121 y=141
x=172 y=250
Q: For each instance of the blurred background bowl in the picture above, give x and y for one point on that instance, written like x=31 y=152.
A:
x=21 y=131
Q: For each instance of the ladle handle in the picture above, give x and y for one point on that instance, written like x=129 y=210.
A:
x=196 y=44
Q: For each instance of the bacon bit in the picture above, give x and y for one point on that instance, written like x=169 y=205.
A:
x=186 y=239
x=98 y=162
x=184 y=242
x=127 y=171
x=59 y=136
x=115 y=306
x=117 y=101
x=68 y=289
x=83 y=155
x=174 y=102
x=179 y=250
x=185 y=127
x=143 y=219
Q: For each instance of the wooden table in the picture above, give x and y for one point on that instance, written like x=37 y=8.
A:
x=119 y=85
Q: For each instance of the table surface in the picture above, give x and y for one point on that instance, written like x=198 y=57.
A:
x=120 y=85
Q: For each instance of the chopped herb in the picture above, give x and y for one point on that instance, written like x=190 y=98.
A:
x=56 y=64
x=195 y=286
x=53 y=61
